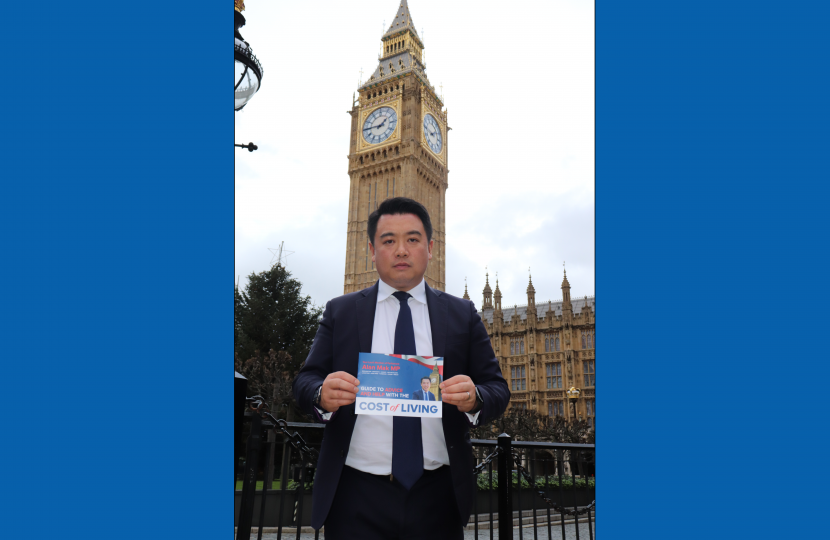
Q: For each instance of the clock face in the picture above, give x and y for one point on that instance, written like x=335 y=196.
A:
x=432 y=133
x=380 y=125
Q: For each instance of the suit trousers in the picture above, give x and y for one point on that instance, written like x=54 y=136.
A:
x=371 y=507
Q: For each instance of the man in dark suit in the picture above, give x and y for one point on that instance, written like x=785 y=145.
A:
x=383 y=477
x=423 y=392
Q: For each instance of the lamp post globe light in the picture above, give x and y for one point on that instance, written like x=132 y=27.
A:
x=573 y=395
x=247 y=69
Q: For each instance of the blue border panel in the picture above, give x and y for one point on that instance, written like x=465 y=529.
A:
x=712 y=179
x=117 y=217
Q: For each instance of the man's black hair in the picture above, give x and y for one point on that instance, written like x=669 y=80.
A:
x=399 y=205
x=422 y=378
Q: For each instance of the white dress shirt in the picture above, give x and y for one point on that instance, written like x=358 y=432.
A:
x=370 y=449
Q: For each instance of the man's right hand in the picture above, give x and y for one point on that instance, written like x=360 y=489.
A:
x=339 y=389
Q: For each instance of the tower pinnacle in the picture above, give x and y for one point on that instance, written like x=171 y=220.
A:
x=566 y=294
x=402 y=22
x=488 y=293
x=401 y=51
x=531 y=295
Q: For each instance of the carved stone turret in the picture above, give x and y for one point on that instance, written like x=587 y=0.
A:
x=567 y=308
x=531 y=303
x=488 y=293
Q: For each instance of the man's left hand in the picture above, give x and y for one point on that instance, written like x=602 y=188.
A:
x=459 y=391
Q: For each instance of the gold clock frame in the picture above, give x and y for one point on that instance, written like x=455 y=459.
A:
x=362 y=145
x=442 y=155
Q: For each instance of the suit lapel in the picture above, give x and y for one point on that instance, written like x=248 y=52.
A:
x=366 y=305
x=437 y=307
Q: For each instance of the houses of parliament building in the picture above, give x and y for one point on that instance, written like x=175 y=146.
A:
x=399 y=147
x=545 y=349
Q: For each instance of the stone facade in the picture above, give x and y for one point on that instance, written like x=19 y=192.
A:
x=544 y=350
x=404 y=163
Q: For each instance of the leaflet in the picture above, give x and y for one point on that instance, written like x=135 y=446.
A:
x=400 y=385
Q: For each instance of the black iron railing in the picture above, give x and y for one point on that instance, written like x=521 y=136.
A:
x=535 y=485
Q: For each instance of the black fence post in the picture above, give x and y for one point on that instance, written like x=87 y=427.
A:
x=246 y=508
x=240 y=391
x=505 y=479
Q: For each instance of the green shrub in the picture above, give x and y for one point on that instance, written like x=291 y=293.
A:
x=484 y=482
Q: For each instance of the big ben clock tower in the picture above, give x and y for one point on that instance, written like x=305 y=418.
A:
x=398 y=148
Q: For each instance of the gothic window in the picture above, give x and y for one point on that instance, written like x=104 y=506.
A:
x=591 y=409
x=517 y=378
x=554 y=375
x=588 y=341
x=588 y=371
x=556 y=408
x=397 y=151
x=517 y=345
x=373 y=157
x=361 y=160
x=384 y=153
x=557 y=344
x=546 y=345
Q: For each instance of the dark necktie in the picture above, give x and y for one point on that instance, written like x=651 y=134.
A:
x=407 y=446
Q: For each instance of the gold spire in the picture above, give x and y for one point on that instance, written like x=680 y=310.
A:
x=239 y=5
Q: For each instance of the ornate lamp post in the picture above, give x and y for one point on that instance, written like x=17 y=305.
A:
x=573 y=395
x=247 y=69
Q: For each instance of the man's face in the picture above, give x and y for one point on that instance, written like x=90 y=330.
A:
x=400 y=250
x=424 y=385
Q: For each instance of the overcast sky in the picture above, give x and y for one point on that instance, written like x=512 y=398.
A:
x=518 y=83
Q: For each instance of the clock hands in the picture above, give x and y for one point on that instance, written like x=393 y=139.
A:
x=377 y=126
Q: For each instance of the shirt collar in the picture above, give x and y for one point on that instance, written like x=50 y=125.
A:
x=419 y=292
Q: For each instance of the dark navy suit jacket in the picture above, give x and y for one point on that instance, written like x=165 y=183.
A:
x=419 y=395
x=458 y=335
